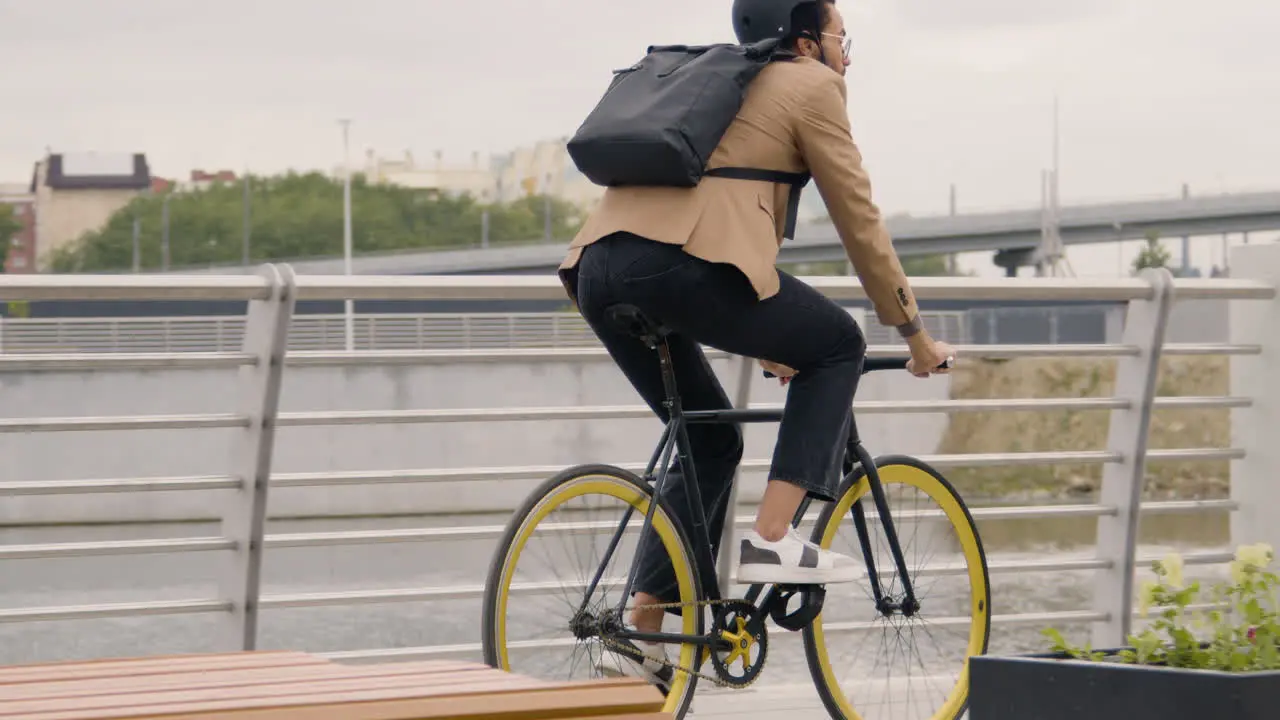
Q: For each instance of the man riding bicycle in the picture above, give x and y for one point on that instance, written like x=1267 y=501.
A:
x=702 y=261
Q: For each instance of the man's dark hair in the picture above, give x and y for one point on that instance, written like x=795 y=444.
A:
x=808 y=20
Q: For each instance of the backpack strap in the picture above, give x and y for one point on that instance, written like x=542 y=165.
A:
x=797 y=181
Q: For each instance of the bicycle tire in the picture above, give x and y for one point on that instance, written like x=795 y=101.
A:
x=581 y=481
x=908 y=471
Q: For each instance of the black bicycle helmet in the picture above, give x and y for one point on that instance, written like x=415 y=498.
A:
x=756 y=20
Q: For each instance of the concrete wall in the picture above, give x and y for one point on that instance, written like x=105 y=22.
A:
x=1254 y=479
x=1200 y=321
x=121 y=454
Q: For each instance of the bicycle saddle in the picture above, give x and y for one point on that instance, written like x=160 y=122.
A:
x=630 y=320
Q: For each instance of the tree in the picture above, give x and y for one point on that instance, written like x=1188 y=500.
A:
x=9 y=226
x=914 y=266
x=925 y=265
x=1153 y=254
x=296 y=216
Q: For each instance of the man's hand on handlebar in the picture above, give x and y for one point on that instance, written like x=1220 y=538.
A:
x=778 y=370
x=929 y=356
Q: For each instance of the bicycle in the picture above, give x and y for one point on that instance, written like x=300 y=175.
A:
x=737 y=644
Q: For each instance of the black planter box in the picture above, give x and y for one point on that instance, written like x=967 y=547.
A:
x=1054 y=687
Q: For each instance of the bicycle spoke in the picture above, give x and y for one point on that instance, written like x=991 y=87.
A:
x=551 y=606
x=882 y=667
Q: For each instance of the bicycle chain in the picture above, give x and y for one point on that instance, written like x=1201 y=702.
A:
x=674 y=666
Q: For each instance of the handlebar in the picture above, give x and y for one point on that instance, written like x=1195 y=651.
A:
x=886 y=363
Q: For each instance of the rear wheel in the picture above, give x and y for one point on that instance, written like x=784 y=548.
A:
x=537 y=619
x=867 y=665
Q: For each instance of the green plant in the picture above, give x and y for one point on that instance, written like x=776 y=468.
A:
x=1153 y=254
x=1235 y=628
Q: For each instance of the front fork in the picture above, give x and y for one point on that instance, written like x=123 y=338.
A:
x=885 y=605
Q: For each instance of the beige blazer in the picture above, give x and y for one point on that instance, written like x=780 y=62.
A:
x=794 y=119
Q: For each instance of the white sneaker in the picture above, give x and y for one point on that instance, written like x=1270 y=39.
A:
x=792 y=561
x=637 y=660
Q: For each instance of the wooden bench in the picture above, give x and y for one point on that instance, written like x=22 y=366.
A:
x=297 y=686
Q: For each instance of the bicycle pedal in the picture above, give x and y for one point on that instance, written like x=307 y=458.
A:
x=791 y=590
x=812 y=598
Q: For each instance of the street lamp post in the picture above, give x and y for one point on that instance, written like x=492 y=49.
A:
x=346 y=227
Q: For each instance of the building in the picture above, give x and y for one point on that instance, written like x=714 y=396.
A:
x=203 y=180
x=544 y=167
x=76 y=193
x=19 y=251
x=474 y=179
x=199 y=180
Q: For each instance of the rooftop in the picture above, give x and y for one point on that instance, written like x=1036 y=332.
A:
x=95 y=171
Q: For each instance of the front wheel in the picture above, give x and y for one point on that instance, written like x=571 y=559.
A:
x=538 y=619
x=869 y=665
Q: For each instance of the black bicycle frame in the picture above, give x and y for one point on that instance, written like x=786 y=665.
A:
x=675 y=439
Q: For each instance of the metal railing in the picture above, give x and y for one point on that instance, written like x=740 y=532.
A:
x=263 y=358
x=372 y=331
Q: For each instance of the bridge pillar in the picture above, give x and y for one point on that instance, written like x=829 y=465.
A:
x=1255 y=480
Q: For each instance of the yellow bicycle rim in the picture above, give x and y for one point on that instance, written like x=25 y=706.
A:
x=979 y=605
x=599 y=484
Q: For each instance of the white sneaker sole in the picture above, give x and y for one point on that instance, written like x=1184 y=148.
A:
x=777 y=575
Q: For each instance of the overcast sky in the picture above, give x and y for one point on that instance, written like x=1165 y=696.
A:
x=1153 y=92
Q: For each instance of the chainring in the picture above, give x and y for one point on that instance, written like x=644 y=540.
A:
x=703 y=654
x=730 y=624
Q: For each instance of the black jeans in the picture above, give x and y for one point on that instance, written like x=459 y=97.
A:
x=715 y=305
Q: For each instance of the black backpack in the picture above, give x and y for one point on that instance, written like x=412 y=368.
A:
x=661 y=119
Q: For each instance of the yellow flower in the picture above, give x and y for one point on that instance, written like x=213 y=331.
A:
x=1250 y=559
x=1255 y=556
x=1238 y=571
x=1147 y=596
x=1172 y=567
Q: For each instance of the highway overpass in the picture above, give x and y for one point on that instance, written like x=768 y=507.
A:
x=974 y=232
